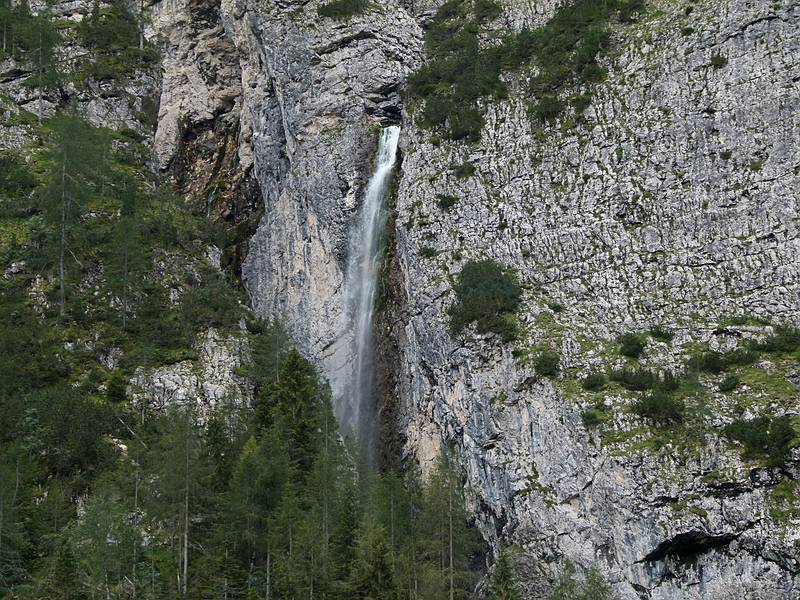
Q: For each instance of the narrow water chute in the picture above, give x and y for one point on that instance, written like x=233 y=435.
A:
x=363 y=269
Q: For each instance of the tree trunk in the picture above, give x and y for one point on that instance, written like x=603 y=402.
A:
x=2 y=506
x=63 y=249
x=141 y=25
x=125 y=288
x=269 y=556
x=450 y=534
x=41 y=71
x=135 y=545
x=186 y=523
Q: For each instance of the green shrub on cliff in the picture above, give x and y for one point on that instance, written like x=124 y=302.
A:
x=15 y=177
x=784 y=340
x=632 y=345
x=661 y=407
x=487 y=294
x=547 y=363
x=343 y=9
x=765 y=437
x=594 y=381
x=115 y=37
x=463 y=70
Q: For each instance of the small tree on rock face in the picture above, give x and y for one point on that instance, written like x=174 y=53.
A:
x=631 y=345
x=501 y=586
x=566 y=587
x=595 y=587
x=64 y=575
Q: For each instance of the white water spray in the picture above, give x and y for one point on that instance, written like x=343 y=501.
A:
x=356 y=395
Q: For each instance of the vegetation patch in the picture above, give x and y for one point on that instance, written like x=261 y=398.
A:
x=463 y=170
x=487 y=294
x=428 y=252
x=634 y=379
x=594 y=417
x=717 y=362
x=718 y=60
x=25 y=35
x=343 y=9
x=768 y=438
x=547 y=363
x=632 y=345
x=115 y=37
x=446 y=202
x=16 y=179
x=730 y=383
x=784 y=505
x=661 y=333
x=462 y=70
x=784 y=341
x=660 y=407
x=594 y=381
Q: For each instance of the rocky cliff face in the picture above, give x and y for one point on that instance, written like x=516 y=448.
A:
x=319 y=89
x=673 y=204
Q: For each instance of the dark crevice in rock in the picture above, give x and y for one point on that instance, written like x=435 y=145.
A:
x=207 y=171
x=389 y=336
x=388 y=111
x=345 y=41
x=728 y=489
x=750 y=24
x=13 y=75
x=687 y=546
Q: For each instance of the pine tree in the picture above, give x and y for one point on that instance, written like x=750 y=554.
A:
x=595 y=587
x=255 y=491
x=566 y=587
x=12 y=534
x=297 y=401
x=179 y=477
x=347 y=516
x=269 y=343
x=321 y=495
x=448 y=541
x=371 y=574
x=107 y=543
x=501 y=586
x=128 y=257
x=64 y=576
x=76 y=162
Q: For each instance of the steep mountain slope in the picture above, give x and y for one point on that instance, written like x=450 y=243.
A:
x=669 y=204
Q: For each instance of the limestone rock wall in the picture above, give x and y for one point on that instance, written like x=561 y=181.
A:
x=673 y=204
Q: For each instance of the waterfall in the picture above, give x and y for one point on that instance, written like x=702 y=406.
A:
x=364 y=264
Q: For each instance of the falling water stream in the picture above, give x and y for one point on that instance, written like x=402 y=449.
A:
x=363 y=268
